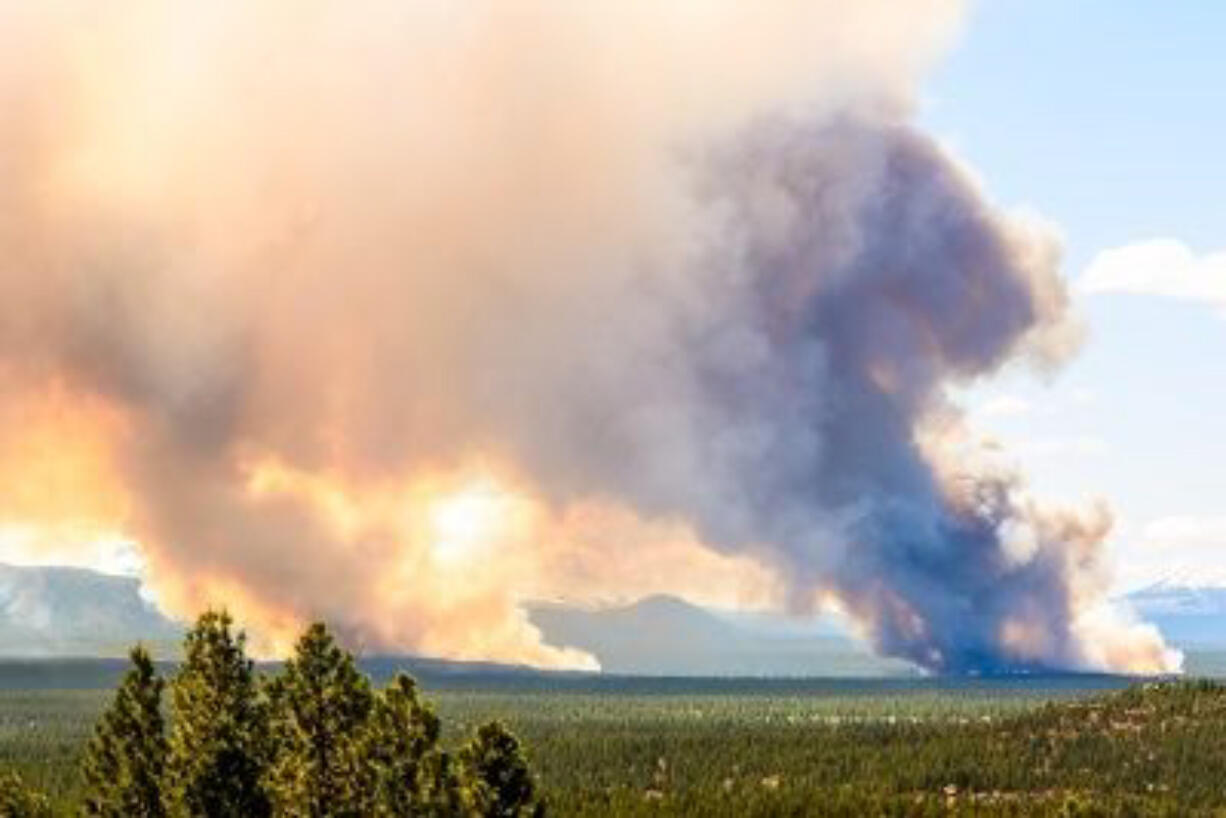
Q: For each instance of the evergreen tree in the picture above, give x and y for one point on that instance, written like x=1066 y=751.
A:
x=19 y=801
x=126 y=758
x=219 y=744
x=443 y=794
x=496 y=777
x=320 y=706
x=399 y=750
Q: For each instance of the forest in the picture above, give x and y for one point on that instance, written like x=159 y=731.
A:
x=313 y=740
x=216 y=735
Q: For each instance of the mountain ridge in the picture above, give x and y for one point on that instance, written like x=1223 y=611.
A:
x=64 y=611
x=663 y=635
x=60 y=612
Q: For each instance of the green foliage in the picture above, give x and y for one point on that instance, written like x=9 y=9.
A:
x=219 y=748
x=496 y=776
x=320 y=703
x=125 y=762
x=981 y=748
x=408 y=774
x=313 y=741
x=19 y=801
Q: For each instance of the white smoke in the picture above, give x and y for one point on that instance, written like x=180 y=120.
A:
x=680 y=267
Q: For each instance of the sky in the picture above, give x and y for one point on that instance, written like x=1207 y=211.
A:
x=1108 y=118
x=400 y=314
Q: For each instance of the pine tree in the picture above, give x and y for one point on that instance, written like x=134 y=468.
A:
x=443 y=794
x=320 y=706
x=126 y=758
x=496 y=776
x=219 y=747
x=19 y=801
x=398 y=752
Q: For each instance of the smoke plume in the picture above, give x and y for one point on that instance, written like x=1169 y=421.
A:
x=398 y=314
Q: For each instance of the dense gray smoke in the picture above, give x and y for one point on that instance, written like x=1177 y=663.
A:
x=874 y=277
x=399 y=314
x=855 y=275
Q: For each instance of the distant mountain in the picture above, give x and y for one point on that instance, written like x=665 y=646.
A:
x=102 y=672
x=57 y=612
x=54 y=611
x=49 y=612
x=1189 y=615
x=667 y=636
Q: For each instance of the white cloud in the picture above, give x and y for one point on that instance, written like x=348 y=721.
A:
x=1062 y=446
x=1182 y=550
x=1203 y=531
x=1005 y=406
x=1084 y=396
x=69 y=545
x=1159 y=267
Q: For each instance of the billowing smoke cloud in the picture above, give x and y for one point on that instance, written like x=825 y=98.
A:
x=397 y=314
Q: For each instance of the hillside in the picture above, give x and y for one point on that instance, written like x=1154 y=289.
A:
x=65 y=612
x=1154 y=749
x=667 y=636
x=55 y=611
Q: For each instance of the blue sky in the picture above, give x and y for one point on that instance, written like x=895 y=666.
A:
x=1108 y=117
